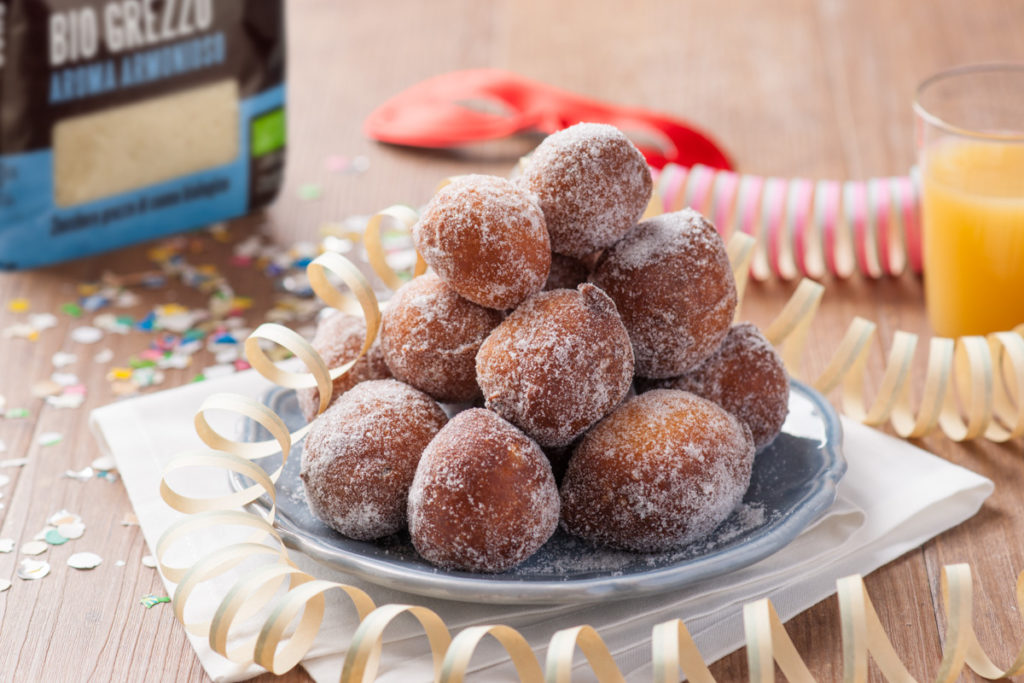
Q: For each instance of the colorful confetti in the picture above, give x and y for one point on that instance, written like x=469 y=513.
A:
x=31 y=570
x=62 y=359
x=86 y=334
x=50 y=438
x=72 y=309
x=84 y=560
x=84 y=474
x=4 y=585
x=71 y=530
x=17 y=305
x=150 y=601
x=16 y=413
x=33 y=548
x=104 y=356
x=310 y=191
x=6 y=545
x=54 y=537
x=149 y=561
x=104 y=463
x=63 y=517
x=13 y=462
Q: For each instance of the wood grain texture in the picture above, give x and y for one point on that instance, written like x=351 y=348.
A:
x=813 y=88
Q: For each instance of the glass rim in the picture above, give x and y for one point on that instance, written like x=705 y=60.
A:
x=967 y=69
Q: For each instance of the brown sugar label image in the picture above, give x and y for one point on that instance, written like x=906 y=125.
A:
x=123 y=148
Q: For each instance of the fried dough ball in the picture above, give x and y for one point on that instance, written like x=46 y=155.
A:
x=430 y=336
x=746 y=377
x=484 y=498
x=672 y=283
x=338 y=339
x=360 y=457
x=661 y=471
x=566 y=273
x=557 y=364
x=593 y=185
x=486 y=239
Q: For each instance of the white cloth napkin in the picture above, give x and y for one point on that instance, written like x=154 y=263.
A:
x=893 y=498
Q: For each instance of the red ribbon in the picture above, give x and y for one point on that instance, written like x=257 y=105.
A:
x=485 y=104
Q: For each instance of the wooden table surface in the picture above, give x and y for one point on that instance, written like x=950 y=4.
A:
x=791 y=87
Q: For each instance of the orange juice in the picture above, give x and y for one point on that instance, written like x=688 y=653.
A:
x=973 y=213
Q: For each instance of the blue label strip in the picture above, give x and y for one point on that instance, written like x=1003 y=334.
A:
x=34 y=232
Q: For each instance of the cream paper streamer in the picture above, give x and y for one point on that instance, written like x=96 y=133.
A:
x=972 y=389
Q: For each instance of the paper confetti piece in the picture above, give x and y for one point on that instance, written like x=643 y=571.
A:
x=65 y=379
x=4 y=585
x=13 y=462
x=84 y=560
x=84 y=474
x=104 y=463
x=86 y=334
x=44 y=388
x=72 y=309
x=6 y=545
x=63 y=517
x=54 y=537
x=42 y=321
x=120 y=563
x=310 y=192
x=30 y=570
x=17 y=305
x=71 y=531
x=4 y=480
x=149 y=561
x=21 y=331
x=67 y=399
x=62 y=359
x=50 y=438
x=150 y=601
x=16 y=413
x=104 y=356
x=34 y=548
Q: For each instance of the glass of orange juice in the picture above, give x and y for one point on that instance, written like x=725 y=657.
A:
x=970 y=125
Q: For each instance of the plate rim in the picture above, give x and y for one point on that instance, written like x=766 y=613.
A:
x=439 y=583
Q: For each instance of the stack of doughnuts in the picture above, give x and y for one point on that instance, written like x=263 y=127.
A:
x=549 y=304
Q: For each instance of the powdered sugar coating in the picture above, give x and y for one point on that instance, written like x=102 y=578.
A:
x=593 y=185
x=338 y=339
x=661 y=471
x=557 y=364
x=360 y=457
x=430 y=336
x=483 y=498
x=486 y=239
x=672 y=283
x=746 y=377
x=566 y=273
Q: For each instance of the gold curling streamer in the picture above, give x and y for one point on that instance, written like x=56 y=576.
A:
x=990 y=373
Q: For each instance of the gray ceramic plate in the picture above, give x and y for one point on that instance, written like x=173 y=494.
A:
x=794 y=482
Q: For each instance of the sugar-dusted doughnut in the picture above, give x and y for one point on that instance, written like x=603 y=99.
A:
x=672 y=283
x=483 y=498
x=663 y=470
x=360 y=456
x=557 y=364
x=486 y=239
x=593 y=185
x=338 y=339
x=746 y=377
x=430 y=336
